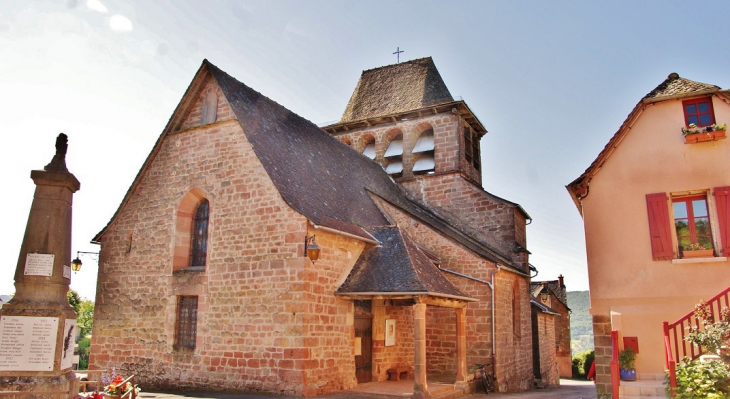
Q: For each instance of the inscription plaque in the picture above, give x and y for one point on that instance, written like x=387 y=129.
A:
x=27 y=343
x=39 y=265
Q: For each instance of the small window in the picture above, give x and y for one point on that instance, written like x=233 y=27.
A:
x=516 y=325
x=369 y=150
x=209 y=110
x=692 y=223
x=698 y=112
x=187 y=322
x=199 y=246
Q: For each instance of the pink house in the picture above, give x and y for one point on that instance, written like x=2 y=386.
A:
x=650 y=201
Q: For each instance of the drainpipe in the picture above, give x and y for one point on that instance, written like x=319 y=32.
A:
x=494 y=337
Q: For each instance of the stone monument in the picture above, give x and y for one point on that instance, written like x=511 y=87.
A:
x=37 y=324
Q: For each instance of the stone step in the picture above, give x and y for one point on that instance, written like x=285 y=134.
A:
x=447 y=394
x=642 y=388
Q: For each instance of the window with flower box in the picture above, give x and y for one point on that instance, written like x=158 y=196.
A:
x=693 y=224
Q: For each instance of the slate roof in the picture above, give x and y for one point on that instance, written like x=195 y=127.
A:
x=396 y=88
x=397 y=266
x=673 y=87
x=317 y=175
x=537 y=288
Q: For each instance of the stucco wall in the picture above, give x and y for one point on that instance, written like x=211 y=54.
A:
x=624 y=279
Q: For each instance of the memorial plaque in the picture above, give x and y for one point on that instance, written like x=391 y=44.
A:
x=27 y=343
x=39 y=265
x=69 y=333
x=67 y=272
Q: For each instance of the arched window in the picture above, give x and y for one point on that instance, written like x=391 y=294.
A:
x=516 y=325
x=199 y=245
x=192 y=222
x=424 y=153
x=393 y=158
x=369 y=147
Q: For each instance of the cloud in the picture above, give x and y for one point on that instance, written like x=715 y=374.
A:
x=96 y=6
x=120 y=23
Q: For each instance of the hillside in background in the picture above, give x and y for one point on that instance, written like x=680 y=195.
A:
x=581 y=322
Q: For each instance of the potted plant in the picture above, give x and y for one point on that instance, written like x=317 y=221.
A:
x=695 y=134
x=697 y=251
x=626 y=361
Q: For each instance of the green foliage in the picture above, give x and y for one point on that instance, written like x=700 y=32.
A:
x=84 y=344
x=627 y=359
x=85 y=317
x=74 y=300
x=697 y=379
x=712 y=335
x=581 y=322
x=582 y=363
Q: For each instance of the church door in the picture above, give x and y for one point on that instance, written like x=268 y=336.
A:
x=364 y=334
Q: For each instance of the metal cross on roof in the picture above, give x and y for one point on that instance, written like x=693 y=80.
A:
x=397 y=53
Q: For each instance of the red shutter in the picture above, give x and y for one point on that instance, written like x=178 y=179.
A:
x=661 y=236
x=722 y=202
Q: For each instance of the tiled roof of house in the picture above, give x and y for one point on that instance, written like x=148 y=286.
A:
x=673 y=87
x=397 y=266
x=543 y=308
x=396 y=88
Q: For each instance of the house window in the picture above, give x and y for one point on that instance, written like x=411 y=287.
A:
x=199 y=246
x=187 y=322
x=692 y=222
x=698 y=111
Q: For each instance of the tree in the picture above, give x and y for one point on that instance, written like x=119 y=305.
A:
x=85 y=317
x=74 y=300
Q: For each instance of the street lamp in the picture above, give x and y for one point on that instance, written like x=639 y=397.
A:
x=76 y=263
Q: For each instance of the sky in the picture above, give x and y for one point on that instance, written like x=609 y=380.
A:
x=551 y=82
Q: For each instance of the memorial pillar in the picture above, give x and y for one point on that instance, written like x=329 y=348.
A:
x=420 y=387
x=36 y=325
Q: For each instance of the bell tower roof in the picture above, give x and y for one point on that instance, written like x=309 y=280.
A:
x=396 y=88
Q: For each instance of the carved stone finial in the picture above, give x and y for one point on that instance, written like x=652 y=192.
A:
x=58 y=163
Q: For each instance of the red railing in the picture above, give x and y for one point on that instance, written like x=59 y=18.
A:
x=615 y=376
x=675 y=347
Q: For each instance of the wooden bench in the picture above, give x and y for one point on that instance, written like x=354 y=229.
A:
x=394 y=373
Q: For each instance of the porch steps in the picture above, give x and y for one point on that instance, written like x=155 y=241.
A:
x=646 y=386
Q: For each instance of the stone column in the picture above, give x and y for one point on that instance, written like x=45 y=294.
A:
x=39 y=315
x=460 y=345
x=420 y=387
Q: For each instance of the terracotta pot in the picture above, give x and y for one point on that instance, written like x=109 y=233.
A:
x=701 y=137
x=702 y=253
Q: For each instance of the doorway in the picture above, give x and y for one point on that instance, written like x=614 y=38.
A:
x=364 y=334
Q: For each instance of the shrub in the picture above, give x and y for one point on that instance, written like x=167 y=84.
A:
x=582 y=363
x=696 y=379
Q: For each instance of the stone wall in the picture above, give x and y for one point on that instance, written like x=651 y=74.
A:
x=514 y=332
x=562 y=338
x=602 y=347
x=267 y=319
x=402 y=353
x=548 y=359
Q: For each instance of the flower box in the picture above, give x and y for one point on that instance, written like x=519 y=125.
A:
x=701 y=137
x=700 y=253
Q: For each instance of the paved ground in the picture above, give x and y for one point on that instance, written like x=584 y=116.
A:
x=568 y=389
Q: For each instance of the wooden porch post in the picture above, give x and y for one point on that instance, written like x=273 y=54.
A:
x=460 y=344
x=420 y=387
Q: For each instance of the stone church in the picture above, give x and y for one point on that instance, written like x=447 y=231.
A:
x=256 y=251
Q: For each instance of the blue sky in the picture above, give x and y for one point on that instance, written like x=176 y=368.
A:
x=551 y=81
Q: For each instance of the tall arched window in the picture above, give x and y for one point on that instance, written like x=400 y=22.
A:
x=199 y=245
